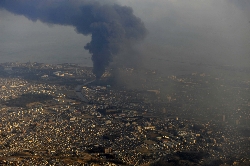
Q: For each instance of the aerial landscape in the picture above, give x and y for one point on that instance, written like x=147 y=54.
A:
x=124 y=82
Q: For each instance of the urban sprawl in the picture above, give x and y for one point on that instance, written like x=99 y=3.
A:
x=58 y=115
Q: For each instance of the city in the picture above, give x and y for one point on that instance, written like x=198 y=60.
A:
x=124 y=83
x=58 y=115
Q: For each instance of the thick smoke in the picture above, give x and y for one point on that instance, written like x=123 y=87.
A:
x=110 y=25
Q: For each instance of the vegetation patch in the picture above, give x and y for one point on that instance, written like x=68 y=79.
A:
x=28 y=98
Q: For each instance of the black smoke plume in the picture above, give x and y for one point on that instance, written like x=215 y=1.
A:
x=110 y=24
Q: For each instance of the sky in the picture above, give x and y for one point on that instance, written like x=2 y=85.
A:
x=181 y=33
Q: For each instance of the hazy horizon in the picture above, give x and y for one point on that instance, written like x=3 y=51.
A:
x=179 y=33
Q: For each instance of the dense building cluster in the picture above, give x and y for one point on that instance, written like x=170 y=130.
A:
x=51 y=124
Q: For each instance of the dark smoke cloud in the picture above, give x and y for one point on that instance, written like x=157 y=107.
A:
x=110 y=25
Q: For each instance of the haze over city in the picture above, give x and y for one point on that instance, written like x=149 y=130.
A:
x=125 y=82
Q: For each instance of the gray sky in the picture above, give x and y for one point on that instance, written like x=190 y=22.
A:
x=202 y=31
x=23 y=40
x=179 y=32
